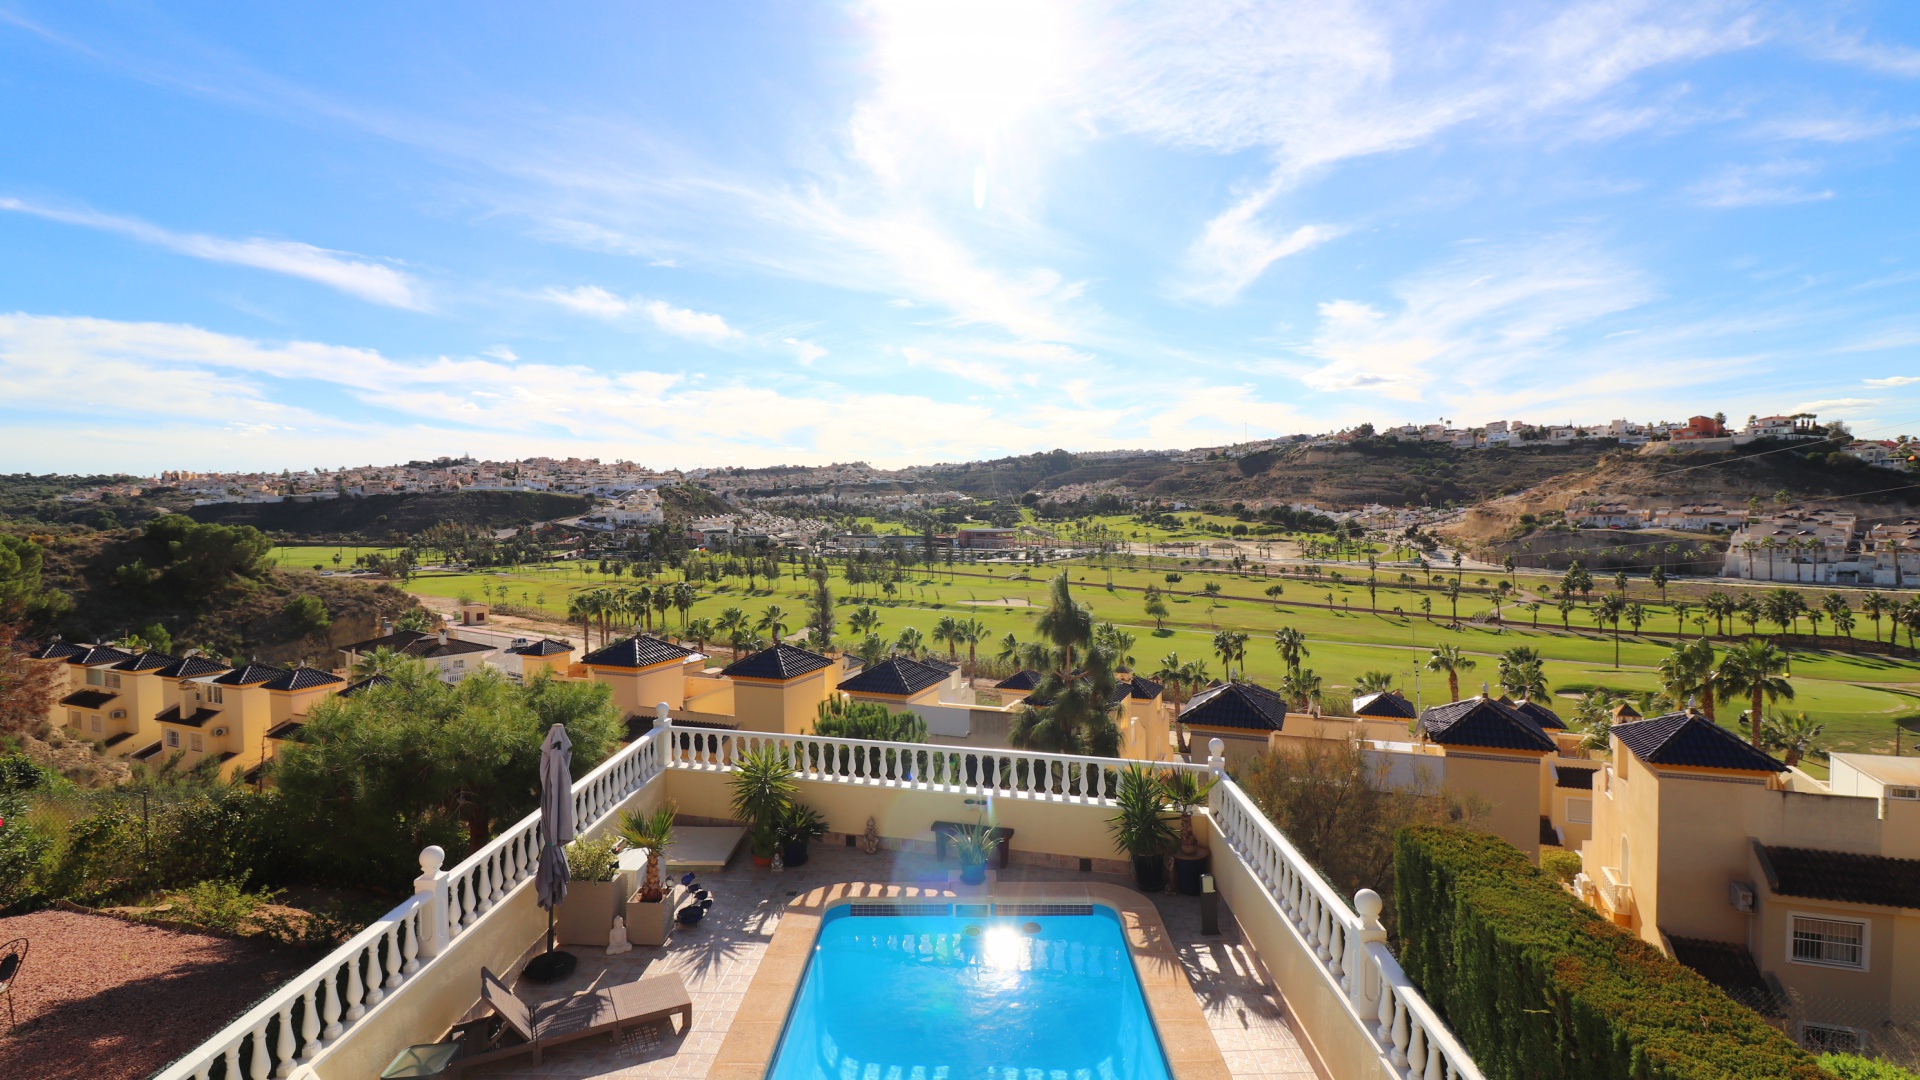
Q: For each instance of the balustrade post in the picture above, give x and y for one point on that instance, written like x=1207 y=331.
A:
x=432 y=884
x=1216 y=757
x=1363 y=974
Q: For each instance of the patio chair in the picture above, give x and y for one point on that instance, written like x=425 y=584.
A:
x=12 y=955
x=524 y=1030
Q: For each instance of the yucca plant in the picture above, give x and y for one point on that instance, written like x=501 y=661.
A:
x=1142 y=826
x=763 y=788
x=651 y=832
x=1186 y=791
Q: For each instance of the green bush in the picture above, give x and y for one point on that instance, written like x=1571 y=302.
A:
x=217 y=905
x=1855 y=1067
x=1559 y=865
x=593 y=860
x=1537 y=984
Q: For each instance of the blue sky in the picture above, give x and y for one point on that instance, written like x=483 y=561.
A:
x=298 y=234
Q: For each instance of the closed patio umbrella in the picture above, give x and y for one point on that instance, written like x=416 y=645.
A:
x=556 y=832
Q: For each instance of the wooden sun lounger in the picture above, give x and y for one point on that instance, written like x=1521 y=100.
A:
x=608 y=1011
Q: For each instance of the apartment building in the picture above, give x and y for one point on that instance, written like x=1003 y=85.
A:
x=449 y=656
x=1802 y=897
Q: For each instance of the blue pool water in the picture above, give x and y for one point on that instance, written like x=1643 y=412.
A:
x=944 y=998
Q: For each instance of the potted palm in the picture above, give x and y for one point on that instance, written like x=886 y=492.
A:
x=1142 y=827
x=650 y=909
x=594 y=893
x=1186 y=791
x=800 y=825
x=974 y=844
x=762 y=790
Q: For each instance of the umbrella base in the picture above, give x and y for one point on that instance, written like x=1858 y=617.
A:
x=549 y=967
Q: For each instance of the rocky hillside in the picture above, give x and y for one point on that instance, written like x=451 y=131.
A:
x=379 y=516
x=1385 y=471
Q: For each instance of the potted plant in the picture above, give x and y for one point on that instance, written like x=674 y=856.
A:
x=594 y=894
x=762 y=789
x=1142 y=827
x=800 y=824
x=1186 y=791
x=975 y=844
x=650 y=909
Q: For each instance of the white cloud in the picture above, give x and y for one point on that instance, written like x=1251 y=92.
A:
x=1832 y=405
x=680 y=322
x=1836 y=129
x=1894 y=380
x=806 y=352
x=351 y=274
x=1770 y=184
x=500 y=352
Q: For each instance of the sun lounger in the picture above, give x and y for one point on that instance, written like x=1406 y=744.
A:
x=531 y=1030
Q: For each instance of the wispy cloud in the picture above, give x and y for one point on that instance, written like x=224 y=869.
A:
x=680 y=322
x=1836 y=405
x=1894 y=380
x=1770 y=184
x=806 y=352
x=1836 y=128
x=349 y=273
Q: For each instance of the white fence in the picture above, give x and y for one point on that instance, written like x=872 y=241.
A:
x=315 y=1010
x=1350 y=946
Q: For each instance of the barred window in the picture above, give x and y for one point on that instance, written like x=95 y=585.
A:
x=1829 y=1039
x=1833 y=942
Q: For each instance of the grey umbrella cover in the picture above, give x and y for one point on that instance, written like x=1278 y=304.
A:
x=556 y=816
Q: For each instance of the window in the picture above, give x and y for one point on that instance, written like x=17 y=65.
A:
x=1830 y=942
x=1830 y=1039
x=96 y=677
x=1903 y=793
x=97 y=726
x=173 y=740
x=196 y=742
x=1580 y=811
x=213 y=696
x=113 y=681
x=73 y=718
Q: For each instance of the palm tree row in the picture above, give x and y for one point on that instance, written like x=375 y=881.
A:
x=633 y=607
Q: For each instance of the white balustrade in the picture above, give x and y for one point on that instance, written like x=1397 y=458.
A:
x=1069 y=778
x=1350 y=945
x=319 y=1006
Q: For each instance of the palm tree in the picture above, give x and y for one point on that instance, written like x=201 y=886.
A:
x=641 y=604
x=973 y=632
x=1009 y=649
x=1077 y=684
x=1450 y=659
x=1793 y=735
x=1291 y=644
x=1874 y=605
x=773 y=623
x=381 y=661
x=1522 y=674
x=1636 y=614
x=580 y=606
x=945 y=630
x=1837 y=608
x=911 y=642
x=1566 y=606
x=1688 y=671
x=1301 y=685
x=1754 y=670
x=1594 y=715
x=1374 y=682
x=864 y=620
x=732 y=625
x=684 y=596
x=1610 y=609
x=1230 y=645
x=699 y=631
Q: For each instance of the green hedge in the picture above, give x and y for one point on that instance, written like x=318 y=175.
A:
x=1537 y=984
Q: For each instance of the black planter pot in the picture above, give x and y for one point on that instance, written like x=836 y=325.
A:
x=794 y=854
x=973 y=873
x=1150 y=873
x=1187 y=873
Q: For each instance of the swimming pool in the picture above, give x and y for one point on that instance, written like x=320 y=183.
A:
x=944 y=997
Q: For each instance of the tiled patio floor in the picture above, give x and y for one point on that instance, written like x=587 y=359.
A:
x=718 y=958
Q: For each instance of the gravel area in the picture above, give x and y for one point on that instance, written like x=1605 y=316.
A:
x=102 y=999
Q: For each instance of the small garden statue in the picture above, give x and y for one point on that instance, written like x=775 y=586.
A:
x=871 y=842
x=617 y=938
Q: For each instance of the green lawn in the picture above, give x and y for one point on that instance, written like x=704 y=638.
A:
x=1860 y=697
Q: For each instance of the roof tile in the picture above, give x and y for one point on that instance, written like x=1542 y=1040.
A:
x=780 y=662
x=1841 y=876
x=639 y=651
x=1237 y=705
x=1691 y=739
x=1483 y=722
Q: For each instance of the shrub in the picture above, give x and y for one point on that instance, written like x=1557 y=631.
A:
x=307 y=613
x=593 y=860
x=1535 y=983
x=1855 y=1067
x=1559 y=865
x=222 y=906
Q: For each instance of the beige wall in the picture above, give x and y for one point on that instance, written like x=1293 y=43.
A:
x=791 y=706
x=637 y=692
x=1510 y=784
x=1240 y=745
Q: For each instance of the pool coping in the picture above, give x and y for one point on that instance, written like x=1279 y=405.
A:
x=1185 y=1036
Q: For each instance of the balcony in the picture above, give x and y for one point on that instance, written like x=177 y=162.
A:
x=1616 y=896
x=1297 y=978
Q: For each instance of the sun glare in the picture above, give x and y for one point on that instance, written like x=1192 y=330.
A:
x=1003 y=948
x=973 y=67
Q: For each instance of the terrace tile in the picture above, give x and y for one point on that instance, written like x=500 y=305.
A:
x=718 y=959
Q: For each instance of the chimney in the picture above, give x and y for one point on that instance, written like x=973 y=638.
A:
x=443 y=635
